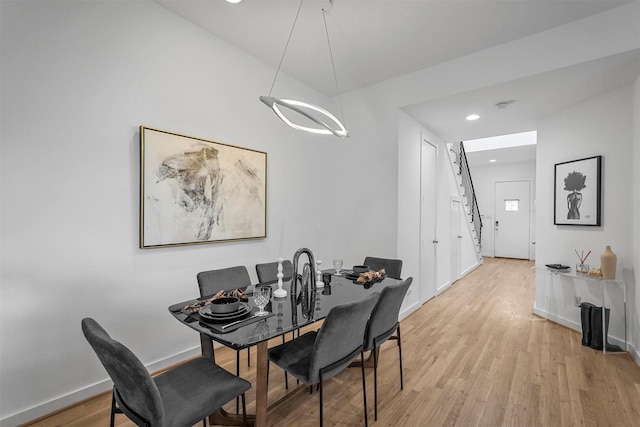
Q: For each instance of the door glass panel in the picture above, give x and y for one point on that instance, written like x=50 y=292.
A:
x=511 y=205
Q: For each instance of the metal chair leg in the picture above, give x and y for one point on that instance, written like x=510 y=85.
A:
x=244 y=411
x=320 y=385
x=286 y=376
x=400 y=357
x=364 y=392
x=237 y=374
x=375 y=384
x=113 y=408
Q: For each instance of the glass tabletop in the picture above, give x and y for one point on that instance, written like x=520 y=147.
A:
x=288 y=313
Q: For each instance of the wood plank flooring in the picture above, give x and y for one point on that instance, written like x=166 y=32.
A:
x=473 y=356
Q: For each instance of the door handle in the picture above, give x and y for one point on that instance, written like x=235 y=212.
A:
x=459 y=237
x=435 y=242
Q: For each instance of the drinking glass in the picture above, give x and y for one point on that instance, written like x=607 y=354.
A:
x=337 y=264
x=261 y=298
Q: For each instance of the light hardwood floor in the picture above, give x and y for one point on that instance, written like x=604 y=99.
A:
x=473 y=356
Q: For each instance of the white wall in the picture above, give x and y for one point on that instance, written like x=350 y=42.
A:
x=78 y=78
x=633 y=276
x=484 y=179
x=411 y=134
x=598 y=126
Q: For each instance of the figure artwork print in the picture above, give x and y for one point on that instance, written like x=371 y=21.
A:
x=199 y=191
x=577 y=192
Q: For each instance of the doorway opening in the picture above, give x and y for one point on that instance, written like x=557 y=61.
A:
x=504 y=176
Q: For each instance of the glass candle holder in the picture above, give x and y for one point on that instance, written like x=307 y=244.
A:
x=582 y=268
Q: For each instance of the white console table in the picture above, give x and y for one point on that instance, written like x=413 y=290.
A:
x=602 y=283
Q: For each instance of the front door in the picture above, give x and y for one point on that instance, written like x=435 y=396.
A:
x=512 y=219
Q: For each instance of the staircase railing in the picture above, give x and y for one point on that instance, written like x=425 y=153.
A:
x=469 y=191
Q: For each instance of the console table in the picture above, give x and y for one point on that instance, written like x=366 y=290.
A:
x=602 y=284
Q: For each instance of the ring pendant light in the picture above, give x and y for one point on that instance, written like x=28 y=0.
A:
x=328 y=124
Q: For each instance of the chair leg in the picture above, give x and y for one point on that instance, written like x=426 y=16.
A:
x=375 y=384
x=237 y=374
x=400 y=356
x=364 y=392
x=244 y=411
x=320 y=385
x=249 y=356
x=113 y=408
x=286 y=376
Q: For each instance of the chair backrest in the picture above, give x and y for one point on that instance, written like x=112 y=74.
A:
x=393 y=267
x=268 y=272
x=384 y=316
x=132 y=380
x=224 y=279
x=341 y=334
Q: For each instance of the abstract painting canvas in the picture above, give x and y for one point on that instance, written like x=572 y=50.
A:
x=196 y=191
x=577 y=192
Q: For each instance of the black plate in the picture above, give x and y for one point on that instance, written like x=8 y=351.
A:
x=558 y=266
x=205 y=313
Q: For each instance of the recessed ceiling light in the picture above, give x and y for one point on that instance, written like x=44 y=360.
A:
x=234 y=1
x=473 y=117
x=492 y=161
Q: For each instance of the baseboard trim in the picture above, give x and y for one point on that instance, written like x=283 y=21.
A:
x=443 y=288
x=448 y=284
x=407 y=311
x=470 y=269
x=634 y=354
x=72 y=399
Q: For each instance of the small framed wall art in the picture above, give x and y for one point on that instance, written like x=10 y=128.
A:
x=195 y=191
x=577 y=192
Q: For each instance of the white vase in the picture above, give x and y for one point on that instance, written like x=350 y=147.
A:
x=608 y=263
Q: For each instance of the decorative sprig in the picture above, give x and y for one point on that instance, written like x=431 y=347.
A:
x=582 y=257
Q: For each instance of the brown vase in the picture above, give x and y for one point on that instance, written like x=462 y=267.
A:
x=608 y=262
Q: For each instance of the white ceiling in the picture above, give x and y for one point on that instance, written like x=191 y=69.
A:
x=535 y=97
x=376 y=40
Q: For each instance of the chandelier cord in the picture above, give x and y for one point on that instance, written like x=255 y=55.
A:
x=333 y=65
x=286 y=46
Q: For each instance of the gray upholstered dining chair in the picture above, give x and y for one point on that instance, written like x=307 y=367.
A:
x=384 y=325
x=319 y=355
x=393 y=267
x=181 y=396
x=211 y=282
x=268 y=272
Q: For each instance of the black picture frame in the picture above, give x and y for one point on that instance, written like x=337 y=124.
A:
x=577 y=192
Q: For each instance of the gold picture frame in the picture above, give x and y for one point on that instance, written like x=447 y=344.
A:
x=196 y=191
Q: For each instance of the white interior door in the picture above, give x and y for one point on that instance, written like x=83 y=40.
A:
x=455 y=238
x=512 y=219
x=428 y=229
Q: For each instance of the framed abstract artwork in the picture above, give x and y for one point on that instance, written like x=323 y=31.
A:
x=195 y=191
x=577 y=192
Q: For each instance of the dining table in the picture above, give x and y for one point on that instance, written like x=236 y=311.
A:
x=286 y=315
